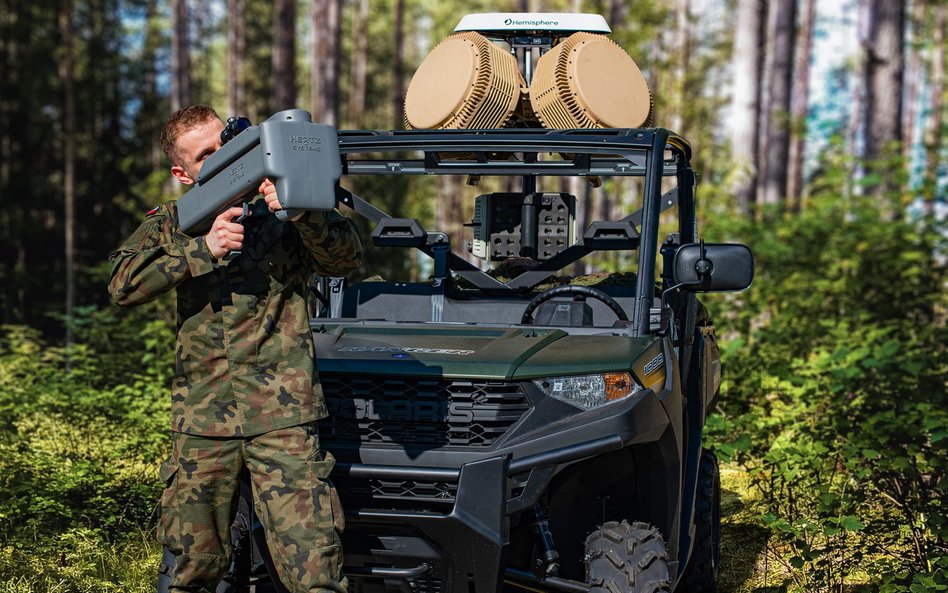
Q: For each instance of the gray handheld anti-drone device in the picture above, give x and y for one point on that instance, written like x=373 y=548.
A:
x=300 y=157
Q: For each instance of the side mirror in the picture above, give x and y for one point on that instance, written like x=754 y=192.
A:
x=713 y=267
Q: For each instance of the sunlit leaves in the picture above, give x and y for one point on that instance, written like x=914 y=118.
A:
x=838 y=384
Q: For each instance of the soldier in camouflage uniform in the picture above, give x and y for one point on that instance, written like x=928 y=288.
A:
x=245 y=391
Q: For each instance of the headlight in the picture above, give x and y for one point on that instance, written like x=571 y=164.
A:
x=589 y=391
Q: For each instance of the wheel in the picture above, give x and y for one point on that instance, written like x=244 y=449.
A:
x=580 y=292
x=701 y=574
x=624 y=558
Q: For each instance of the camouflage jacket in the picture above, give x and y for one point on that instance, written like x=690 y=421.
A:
x=245 y=357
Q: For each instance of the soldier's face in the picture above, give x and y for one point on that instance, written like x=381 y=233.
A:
x=194 y=146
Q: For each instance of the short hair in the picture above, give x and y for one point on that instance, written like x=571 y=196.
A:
x=181 y=121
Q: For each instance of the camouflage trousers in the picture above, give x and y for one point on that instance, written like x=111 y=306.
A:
x=293 y=498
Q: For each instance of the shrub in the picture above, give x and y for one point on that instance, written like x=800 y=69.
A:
x=83 y=431
x=835 y=395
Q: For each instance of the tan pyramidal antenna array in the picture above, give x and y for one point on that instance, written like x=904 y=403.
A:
x=466 y=82
x=588 y=81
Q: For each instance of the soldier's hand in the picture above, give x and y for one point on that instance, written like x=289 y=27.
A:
x=225 y=235
x=269 y=192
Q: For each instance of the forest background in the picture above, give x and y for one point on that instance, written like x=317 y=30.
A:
x=818 y=131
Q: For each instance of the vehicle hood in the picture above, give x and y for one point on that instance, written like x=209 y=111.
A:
x=468 y=351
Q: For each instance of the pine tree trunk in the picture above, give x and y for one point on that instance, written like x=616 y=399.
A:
x=936 y=107
x=258 y=59
x=236 y=55
x=913 y=77
x=66 y=74
x=884 y=64
x=781 y=30
x=324 y=88
x=857 y=113
x=801 y=92
x=284 y=55
x=7 y=46
x=360 y=26
x=657 y=57
x=153 y=40
x=617 y=12
x=316 y=25
x=745 y=104
x=680 y=53
x=335 y=20
x=398 y=98
x=180 y=57
x=449 y=211
x=578 y=188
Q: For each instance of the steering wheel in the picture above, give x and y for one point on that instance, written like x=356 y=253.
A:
x=581 y=293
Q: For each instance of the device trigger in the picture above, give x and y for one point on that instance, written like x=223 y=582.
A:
x=246 y=212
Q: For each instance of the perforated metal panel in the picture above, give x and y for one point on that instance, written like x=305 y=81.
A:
x=588 y=81
x=466 y=82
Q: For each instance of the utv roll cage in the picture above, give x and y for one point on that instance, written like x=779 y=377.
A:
x=529 y=154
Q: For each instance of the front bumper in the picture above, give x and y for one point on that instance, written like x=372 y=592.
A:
x=437 y=519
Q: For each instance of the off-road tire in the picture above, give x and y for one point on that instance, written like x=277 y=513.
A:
x=623 y=558
x=701 y=575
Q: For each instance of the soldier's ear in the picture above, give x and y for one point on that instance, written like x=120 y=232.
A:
x=181 y=175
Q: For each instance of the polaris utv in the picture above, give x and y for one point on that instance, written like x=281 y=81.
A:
x=510 y=424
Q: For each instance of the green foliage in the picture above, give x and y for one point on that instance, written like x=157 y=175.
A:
x=835 y=397
x=84 y=428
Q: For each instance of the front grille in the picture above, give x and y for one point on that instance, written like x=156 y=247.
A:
x=395 y=493
x=418 y=412
x=412 y=489
x=425 y=585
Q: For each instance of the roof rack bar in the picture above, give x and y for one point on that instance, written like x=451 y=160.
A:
x=611 y=168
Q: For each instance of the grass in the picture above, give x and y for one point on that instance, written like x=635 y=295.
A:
x=80 y=562
x=746 y=566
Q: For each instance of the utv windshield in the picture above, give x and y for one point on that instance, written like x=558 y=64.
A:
x=529 y=185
